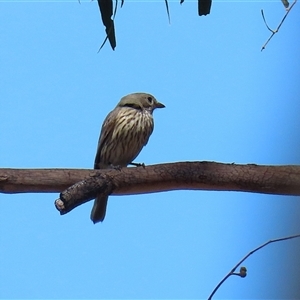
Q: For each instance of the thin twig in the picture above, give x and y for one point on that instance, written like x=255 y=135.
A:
x=277 y=29
x=263 y=15
x=243 y=269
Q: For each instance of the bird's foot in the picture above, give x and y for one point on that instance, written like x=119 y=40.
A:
x=138 y=164
x=118 y=167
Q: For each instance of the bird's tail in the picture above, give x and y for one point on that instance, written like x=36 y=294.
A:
x=99 y=208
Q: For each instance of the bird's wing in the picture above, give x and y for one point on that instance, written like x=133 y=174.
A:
x=106 y=133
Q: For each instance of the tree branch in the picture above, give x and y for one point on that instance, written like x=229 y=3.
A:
x=277 y=29
x=243 y=270
x=283 y=180
x=80 y=186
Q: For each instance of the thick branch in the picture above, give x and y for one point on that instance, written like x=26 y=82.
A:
x=81 y=186
x=284 y=180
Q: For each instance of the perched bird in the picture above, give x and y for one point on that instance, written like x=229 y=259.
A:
x=125 y=131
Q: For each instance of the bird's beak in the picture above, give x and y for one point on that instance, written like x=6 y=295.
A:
x=159 y=105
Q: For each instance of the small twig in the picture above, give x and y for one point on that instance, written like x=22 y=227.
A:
x=262 y=13
x=243 y=270
x=277 y=29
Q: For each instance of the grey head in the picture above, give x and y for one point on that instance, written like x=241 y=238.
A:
x=140 y=101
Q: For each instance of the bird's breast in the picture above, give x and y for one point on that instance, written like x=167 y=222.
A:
x=133 y=122
x=131 y=131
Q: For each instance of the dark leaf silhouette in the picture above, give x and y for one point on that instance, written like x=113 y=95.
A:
x=285 y=3
x=106 y=10
x=204 y=7
x=107 y=16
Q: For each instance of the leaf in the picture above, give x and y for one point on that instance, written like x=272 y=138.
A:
x=204 y=7
x=106 y=10
x=285 y=3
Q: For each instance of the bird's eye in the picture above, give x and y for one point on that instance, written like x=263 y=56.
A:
x=150 y=100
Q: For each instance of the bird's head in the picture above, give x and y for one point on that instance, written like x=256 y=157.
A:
x=140 y=101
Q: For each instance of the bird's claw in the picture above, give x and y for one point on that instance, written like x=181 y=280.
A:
x=138 y=164
x=118 y=167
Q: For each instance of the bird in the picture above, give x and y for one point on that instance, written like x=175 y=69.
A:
x=125 y=131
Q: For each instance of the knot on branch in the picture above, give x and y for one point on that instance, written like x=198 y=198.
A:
x=84 y=191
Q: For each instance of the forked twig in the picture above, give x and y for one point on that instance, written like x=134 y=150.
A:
x=277 y=29
x=243 y=270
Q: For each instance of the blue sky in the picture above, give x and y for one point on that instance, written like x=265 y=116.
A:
x=225 y=100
